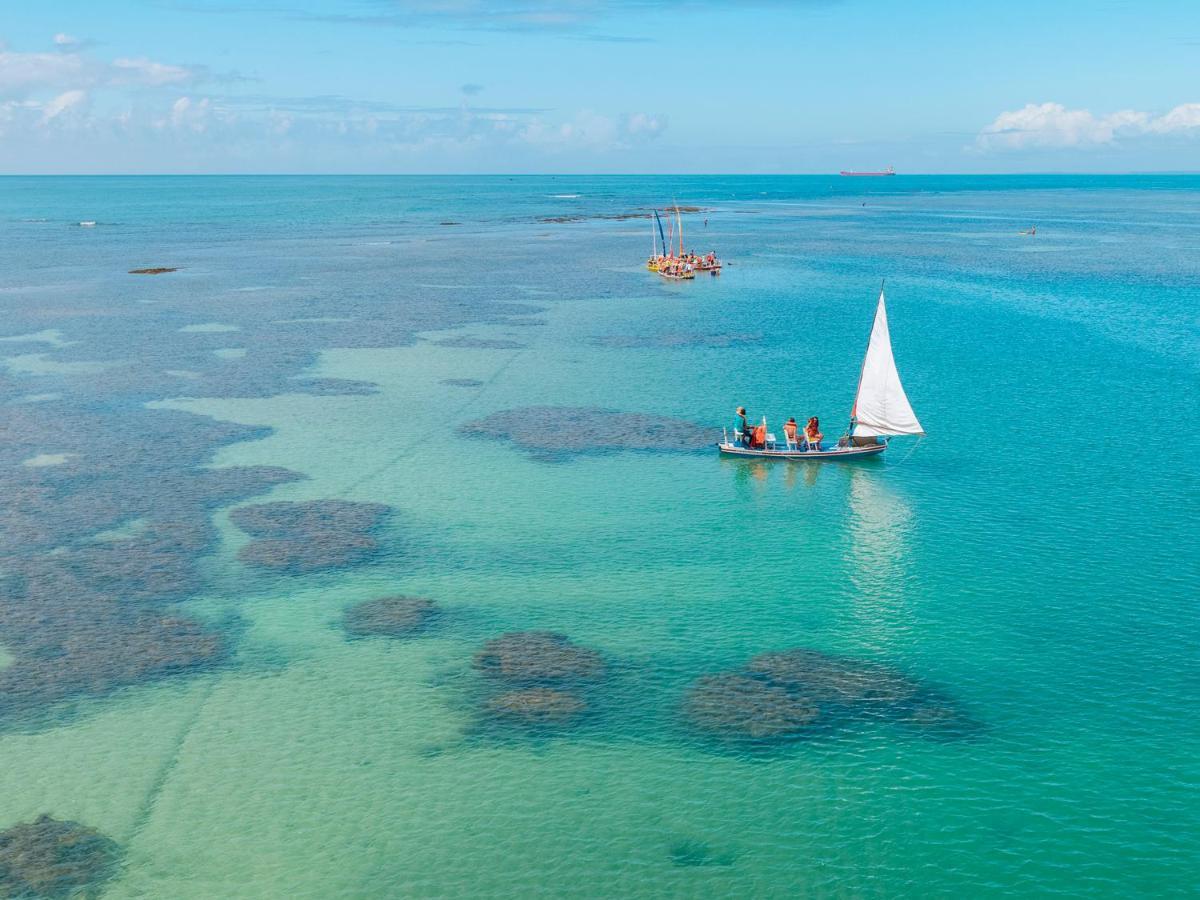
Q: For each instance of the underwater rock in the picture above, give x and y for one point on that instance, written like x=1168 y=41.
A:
x=315 y=552
x=553 y=433
x=335 y=387
x=53 y=858
x=288 y=519
x=462 y=382
x=733 y=705
x=778 y=693
x=536 y=706
x=933 y=715
x=159 y=270
x=616 y=217
x=832 y=679
x=391 y=616
x=677 y=339
x=307 y=536
x=538 y=657
x=687 y=853
x=471 y=343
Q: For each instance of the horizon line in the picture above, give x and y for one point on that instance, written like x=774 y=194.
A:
x=232 y=174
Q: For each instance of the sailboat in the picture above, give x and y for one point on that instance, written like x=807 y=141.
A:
x=881 y=411
x=656 y=258
x=676 y=268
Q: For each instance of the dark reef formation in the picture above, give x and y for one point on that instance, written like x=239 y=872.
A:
x=619 y=217
x=68 y=639
x=557 y=433
x=538 y=657
x=95 y=549
x=389 y=616
x=534 y=707
x=308 y=536
x=50 y=858
x=689 y=853
x=474 y=343
x=733 y=705
x=541 y=679
x=92 y=551
x=677 y=339
x=792 y=694
x=462 y=382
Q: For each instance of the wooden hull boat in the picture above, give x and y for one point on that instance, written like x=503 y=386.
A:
x=823 y=453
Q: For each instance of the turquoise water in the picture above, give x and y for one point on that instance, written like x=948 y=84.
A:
x=1033 y=559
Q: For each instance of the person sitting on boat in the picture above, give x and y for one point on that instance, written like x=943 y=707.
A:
x=789 y=430
x=760 y=437
x=741 y=428
x=812 y=433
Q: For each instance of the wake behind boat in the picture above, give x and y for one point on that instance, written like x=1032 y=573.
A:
x=881 y=410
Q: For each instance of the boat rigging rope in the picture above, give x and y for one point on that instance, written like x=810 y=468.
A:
x=146 y=808
x=911 y=451
x=408 y=447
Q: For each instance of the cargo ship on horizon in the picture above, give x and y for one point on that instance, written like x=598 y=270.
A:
x=890 y=170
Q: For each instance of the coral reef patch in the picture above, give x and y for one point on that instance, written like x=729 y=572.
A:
x=389 y=616
x=540 y=680
x=783 y=696
x=557 y=433
x=308 y=536
x=52 y=858
x=538 y=657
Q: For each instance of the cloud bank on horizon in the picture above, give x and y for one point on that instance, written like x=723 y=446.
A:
x=1053 y=125
x=583 y=85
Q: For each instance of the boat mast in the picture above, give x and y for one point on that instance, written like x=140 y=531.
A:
x=863 y=367
x=680 y=218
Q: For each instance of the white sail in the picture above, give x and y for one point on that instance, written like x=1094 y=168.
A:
x=881 y=406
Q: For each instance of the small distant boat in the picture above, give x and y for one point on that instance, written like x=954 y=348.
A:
x=881 y=410
x=674 y=267
x=1031 y=230
x=890 y=170
x=88 y=224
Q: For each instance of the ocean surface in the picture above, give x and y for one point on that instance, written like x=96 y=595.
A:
x=477 y=356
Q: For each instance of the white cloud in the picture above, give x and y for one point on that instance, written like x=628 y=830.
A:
x=592 y=131
x=1053 y=125
x=1182 y=118
x=190 y=116
x=70 y=68
x=63 y=104
x=148 y=73
x=645 y=125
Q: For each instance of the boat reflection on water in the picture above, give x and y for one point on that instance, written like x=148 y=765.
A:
x=879 y=529
x=794 y=474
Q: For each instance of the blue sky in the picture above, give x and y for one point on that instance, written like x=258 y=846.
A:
x=591 y=86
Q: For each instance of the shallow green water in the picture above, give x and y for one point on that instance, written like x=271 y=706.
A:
x=1034 y=557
